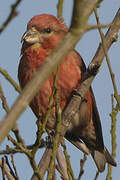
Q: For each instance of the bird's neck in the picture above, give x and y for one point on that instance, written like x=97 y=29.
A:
x=35 y=54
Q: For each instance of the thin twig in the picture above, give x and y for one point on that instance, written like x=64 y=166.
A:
x=14 y=167
x=87 y=79
x=5 y=106
x=67 y=157
x=29 y=155
x=61 y=172
x=92 y=27
x=58 y=130
x=4 y=102
x=82 y=163
x=62 y=163
x=44 y=163
x=10 y=168
x=98 y=3
x=113 y=135
x=21 y=146
x=117 y=97
x=7 y=172
x=60 y=9
x=10 y=150
x=96 y=176
x=48 y=66
x=13 y=14
x=3 y=168
x=10 y=80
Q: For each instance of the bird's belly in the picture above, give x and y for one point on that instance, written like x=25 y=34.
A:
x=68 y=79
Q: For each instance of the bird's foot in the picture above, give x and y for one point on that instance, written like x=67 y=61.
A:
x=93 y=68
x=76 y=93
x=49 y=139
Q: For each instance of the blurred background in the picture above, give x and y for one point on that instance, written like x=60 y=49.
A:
x=10 y=46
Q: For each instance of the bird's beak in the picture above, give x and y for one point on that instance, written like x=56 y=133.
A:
x=31 y=37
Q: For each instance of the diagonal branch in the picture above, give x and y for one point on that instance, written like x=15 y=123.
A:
x=12 y=15
x=83 y=87
x=116 y=95
x=83 y=10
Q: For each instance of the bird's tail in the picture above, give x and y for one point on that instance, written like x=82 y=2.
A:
x=101 y=158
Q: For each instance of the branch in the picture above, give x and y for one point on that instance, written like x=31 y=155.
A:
x=113 y=135
x=96 y=176
x=10 y=80
x=91 y=27
x=15 y=150
x=67 y=157
x=60 y=9
x=116 y=95
x=12 y=15
x=7 y=171
x=15 y=129
x=82 y=163
x=62 y=166
x=4 y=102
x=82 y=11
x=83 y=87
x=44 y=163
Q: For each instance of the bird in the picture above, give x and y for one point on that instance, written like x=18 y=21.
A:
x=43 y=34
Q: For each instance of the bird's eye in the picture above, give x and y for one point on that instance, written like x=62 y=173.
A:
x=47 y=30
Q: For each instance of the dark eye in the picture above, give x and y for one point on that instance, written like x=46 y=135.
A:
x=47 y=30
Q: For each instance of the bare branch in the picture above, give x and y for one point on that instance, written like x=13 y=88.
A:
x=4 y=102
x=12 y=15
x=107 y=58
x=67 y=157
x=44 y=163
x=10 y=150
x=15 y=129
x=10 y=80
x=14 y=167
x=82 y=163
x=62 y=163
x=113 y=134
x=96 y=176
x=83 y=87
x=48 y=66
x=7 y=172
x=60 y=9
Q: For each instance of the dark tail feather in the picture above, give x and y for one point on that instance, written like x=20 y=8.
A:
x=101 y=158
x=109 y=158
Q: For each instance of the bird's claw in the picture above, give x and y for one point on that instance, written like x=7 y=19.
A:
x=93 y=68
x=76 y=93
x=49 y=139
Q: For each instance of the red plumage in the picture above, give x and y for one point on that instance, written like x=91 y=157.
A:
x=44 y=32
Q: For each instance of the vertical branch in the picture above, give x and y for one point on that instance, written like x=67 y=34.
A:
x=60 y=9
x=12 y=15
x=117 y=97
x=6 y=108
x=62 y=166
x=7 y=171
x=4 y=102
x=113 y=136
x=58 y=130
x=96 y=176
x=82 y=163
x=69 y=168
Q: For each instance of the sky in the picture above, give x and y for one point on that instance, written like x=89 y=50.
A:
x=10 y=43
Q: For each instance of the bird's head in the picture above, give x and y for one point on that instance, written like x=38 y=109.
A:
x=45 y=30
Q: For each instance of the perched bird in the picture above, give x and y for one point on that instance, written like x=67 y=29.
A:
x=43 y=34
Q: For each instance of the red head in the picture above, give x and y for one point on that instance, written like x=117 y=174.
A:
x=45 y=29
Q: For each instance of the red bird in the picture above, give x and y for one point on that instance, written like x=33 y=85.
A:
x=43 y=34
